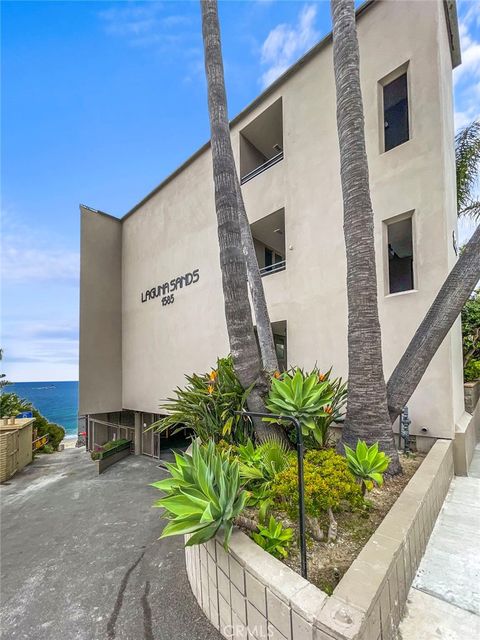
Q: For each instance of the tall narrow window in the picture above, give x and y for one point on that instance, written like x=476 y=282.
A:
x=395 y=112
x=400 y=255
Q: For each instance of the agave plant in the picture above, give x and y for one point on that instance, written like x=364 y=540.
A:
x=275 y=538
x=367 y=464
x=203 y=494
x=304 y=396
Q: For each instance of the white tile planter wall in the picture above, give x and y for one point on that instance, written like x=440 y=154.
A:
x=248 y=594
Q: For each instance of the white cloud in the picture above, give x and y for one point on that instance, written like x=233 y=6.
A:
x=286 y=43
x=30 y=257
x=143 y=24
x=467 y=75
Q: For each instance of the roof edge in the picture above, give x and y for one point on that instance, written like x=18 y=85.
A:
x=450 y=7
x=86 y=209
x=451 y=16
x=268 y=91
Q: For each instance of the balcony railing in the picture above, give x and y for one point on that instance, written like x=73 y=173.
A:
x=273 y=268
x=263 y=167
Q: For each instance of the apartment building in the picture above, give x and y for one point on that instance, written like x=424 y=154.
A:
x=151 y=296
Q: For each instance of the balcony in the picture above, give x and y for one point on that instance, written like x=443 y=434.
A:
x=261 y=142
x=273 y=268
x=263 y=167
x=269 y=240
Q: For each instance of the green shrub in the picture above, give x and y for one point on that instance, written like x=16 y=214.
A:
x=275 y=538
x=43 y=427
x=11 y=405
x=258 y=467
x=47 y=448
x=203 y=494
x=313 y=398
x=367 y=464
x=207 y=404
x=329 y=484
x=471 y=337
x=472 y=371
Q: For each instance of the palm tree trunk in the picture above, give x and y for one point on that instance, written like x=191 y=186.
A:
x=243 y=345
x=260 y=310
x=367 y=415
x=445 y=309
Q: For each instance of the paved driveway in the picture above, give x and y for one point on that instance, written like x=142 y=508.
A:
x=81 y=559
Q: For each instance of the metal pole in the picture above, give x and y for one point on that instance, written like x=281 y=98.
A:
x=301 y=483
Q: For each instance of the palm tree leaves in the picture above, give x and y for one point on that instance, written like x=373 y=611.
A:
x=467 y=160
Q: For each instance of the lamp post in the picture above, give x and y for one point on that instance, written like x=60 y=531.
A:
x=301 y=483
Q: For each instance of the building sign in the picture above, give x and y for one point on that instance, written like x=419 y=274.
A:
x=166 y=291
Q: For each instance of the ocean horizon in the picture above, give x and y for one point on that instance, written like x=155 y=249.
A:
x=56 y=400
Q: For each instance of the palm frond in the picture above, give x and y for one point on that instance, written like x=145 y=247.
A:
x=467 y=160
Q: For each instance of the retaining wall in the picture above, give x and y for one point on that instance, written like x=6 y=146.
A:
x=246 y=593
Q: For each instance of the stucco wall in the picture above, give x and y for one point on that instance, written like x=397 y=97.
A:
x=100 y=360
x=174 y=231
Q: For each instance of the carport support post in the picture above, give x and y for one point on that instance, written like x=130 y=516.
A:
x=138 y=434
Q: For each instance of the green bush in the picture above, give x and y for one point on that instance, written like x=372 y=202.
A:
x=11 y=405
x=47 y=449
x=471 y=337
x=203 y=494
x=329 y=484
x=207 y=404
x=43 y=427
x=472 y=371
x=258 y=467
x=275 y=538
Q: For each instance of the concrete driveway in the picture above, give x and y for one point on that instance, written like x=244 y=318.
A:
x=81 y=559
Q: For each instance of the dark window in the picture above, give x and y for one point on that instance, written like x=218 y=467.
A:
x=268 y=257
x=395 y=112
x=400 y=256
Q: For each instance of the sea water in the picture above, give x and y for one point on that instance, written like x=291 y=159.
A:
x=57 y=401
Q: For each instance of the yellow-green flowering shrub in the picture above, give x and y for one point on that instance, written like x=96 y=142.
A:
x=328 y=484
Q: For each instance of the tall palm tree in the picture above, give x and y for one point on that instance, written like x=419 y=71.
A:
x=467 y=160
x=367 y=411
x=260 y=310
x=243 y=345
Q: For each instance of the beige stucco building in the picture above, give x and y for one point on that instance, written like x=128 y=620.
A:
x=151 y=296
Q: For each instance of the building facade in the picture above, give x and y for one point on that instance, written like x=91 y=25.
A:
x=151 y=296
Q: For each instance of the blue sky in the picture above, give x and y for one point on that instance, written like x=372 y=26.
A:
x=100 y=101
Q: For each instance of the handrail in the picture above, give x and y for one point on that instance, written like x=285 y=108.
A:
x=263 y=167
x=272 y=268
x=301 y=480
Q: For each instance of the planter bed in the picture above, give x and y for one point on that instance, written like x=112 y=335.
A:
x=247 y=589
x=328 y=562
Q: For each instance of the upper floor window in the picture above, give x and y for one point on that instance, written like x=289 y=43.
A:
x=400 y=255
x=261 y=142
x=395 y=112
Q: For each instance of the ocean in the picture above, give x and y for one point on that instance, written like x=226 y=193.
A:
x=57 y=401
